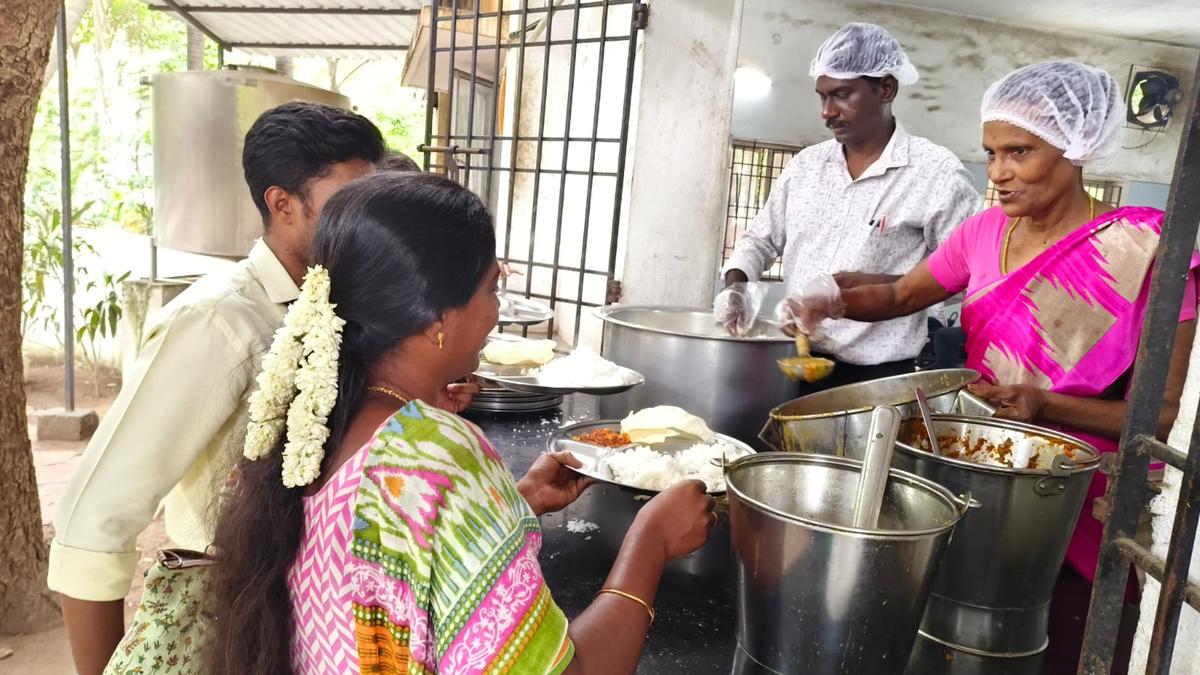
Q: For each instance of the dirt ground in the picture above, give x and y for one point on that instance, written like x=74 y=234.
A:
x=47 y=653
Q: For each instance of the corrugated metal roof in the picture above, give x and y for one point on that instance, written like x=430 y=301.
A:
x=330 y=28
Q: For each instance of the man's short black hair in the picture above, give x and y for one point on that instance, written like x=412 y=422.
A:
x=290 y=144
x=875 y=82
x=397 y=161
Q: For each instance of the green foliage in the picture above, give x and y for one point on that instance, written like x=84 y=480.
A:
x=117 y=47
x=100 y=321
x=43 y=264
x=117 y=44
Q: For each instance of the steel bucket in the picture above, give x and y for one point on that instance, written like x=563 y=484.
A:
x=992 y=595
x=814 y=594
x=690 y=361
x=835 y=421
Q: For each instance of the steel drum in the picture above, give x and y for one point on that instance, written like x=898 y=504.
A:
x=690 y=361
x=816 y=595
x=992 y=595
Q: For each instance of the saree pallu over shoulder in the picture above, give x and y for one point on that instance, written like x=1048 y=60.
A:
x=1069 y=321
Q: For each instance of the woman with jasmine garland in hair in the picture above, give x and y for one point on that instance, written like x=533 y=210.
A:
x=372 y=532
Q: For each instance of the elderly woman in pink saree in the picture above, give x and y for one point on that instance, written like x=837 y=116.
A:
x=1056 y=283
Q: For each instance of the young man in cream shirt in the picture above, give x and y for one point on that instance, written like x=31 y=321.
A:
x=172 y=434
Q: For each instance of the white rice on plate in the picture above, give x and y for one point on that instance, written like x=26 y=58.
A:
x=581 y=368
x=648 y=469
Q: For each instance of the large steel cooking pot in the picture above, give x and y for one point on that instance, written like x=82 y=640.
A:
x=992 y=594
x=836 y=421
x=814 y=594
x=690 y=361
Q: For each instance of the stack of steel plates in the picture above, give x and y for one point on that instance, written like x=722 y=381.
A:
x=496 y=399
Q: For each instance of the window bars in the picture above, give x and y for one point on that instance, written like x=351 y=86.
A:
x=1109 y=192
x=753 y=170
x=528 y=106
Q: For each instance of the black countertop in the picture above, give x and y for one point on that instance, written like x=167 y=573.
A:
x=695 y=629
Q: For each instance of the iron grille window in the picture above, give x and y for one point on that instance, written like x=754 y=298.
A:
x=535 y=120
x=752 y=173
x=1108 y=192
x=1105 y=191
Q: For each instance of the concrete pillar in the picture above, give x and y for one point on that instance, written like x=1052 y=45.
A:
x=679 y=152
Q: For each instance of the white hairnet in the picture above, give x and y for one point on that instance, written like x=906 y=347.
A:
x=1072 y=106
x=862 y=50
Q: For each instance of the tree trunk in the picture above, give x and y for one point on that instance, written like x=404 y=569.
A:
x=25 y=604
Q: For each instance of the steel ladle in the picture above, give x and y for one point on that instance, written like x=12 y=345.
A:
x=927 y=418
x=877 y=462
x=804 y=367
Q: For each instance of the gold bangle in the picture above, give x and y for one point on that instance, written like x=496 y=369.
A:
x=623 y=594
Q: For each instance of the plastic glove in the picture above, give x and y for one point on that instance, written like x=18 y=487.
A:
x=736 y=308
x=817 y=300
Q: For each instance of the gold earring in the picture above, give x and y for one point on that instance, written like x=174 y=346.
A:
x=441 y=339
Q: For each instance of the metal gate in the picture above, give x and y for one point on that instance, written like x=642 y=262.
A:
x=528 y=105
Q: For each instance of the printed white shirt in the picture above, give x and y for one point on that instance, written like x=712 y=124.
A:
x=885 y=222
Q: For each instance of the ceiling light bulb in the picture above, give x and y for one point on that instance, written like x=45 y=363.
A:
x=751 y=83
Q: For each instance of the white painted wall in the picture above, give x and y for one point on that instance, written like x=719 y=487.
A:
x=680 y=153
x=957 y=56
x=116 y=252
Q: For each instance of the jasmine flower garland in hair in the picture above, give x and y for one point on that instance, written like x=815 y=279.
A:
x=276 y=389
x=298 y=384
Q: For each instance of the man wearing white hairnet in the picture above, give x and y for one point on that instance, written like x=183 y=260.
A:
x=873 y=201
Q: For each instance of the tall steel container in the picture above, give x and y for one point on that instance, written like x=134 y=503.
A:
x=200 y=117
x=692 y=362
x=816 y=595
x=992 y=594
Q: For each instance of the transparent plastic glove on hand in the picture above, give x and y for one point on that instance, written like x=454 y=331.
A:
x=736 y=308
x=817 y=300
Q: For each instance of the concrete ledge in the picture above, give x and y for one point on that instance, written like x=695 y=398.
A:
x=57 y=424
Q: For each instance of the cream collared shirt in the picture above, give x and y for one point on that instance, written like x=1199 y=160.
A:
x=174 y=430
x=886 y=221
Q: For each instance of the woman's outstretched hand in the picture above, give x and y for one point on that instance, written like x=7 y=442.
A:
x=1019 y=402
x=550 y=485
x=679 y=519
x=457 y=395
